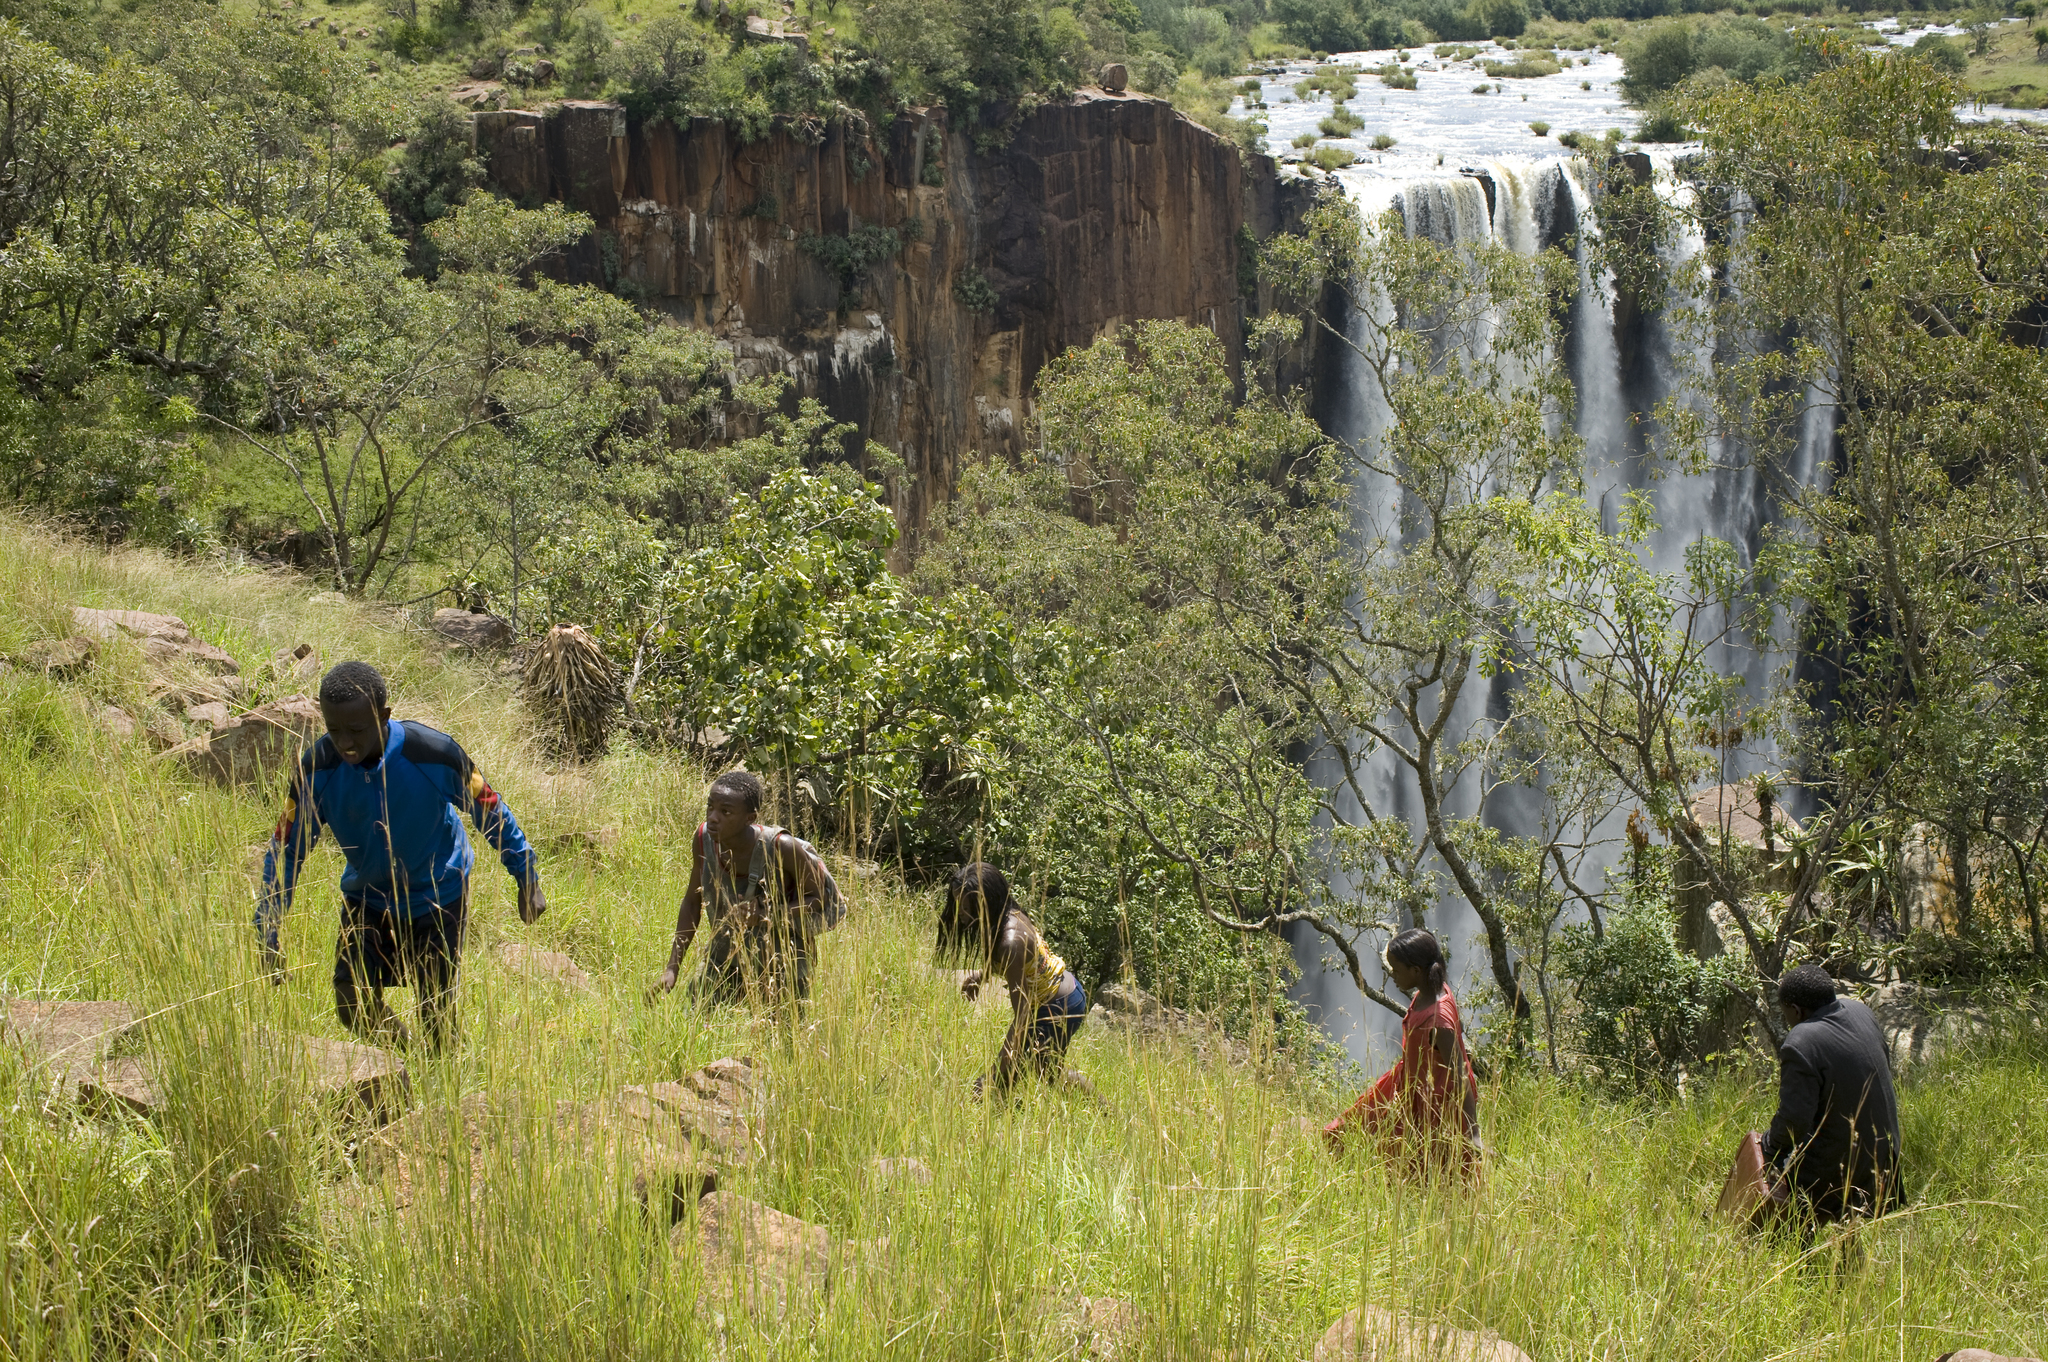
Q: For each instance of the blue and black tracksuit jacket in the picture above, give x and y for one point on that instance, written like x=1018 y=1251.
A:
x=398 y=821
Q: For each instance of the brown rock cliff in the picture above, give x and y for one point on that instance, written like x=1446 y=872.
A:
x=1101 y=210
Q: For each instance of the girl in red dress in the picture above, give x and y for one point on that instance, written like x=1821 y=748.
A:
x=1424 y=1111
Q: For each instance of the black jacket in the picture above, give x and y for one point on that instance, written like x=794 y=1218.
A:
x=1836 y=1133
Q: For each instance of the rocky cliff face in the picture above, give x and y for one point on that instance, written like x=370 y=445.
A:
x=1101 y=210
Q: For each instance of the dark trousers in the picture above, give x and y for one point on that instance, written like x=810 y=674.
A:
x=761 y=962
x=383 y=946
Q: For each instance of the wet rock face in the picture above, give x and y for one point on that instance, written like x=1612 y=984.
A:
x=1100 y=211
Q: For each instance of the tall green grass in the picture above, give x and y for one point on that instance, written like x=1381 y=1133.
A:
x=237 y=1225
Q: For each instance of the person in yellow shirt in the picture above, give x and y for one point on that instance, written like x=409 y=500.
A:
x=1047 y=1003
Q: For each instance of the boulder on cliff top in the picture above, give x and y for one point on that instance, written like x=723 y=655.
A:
x=472 y=629
x=1115 y=77
x=165 y=639
x=1732 y=812
x=1374 y=1334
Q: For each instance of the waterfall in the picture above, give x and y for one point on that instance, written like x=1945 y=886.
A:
x=1621 y=369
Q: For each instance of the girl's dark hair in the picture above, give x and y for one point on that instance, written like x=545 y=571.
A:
x=977 y=901
x=1419 y=949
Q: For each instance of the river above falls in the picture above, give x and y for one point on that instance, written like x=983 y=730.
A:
x=1458 y=114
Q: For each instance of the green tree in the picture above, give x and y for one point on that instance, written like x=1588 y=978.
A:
x=1905 y=283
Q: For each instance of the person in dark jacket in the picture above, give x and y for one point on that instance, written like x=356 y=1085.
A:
x=1835 y=1138
x=393 y=793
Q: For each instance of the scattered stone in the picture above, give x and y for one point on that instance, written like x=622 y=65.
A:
x=1373 y=1334
x=582 y=840
x=251 y=748
x=1978 y=1355
x=165 y=639
x=1108 y=1327
x=214 y=714
x=355 y=1079
x=1127 y=1010
x=299 y=665
x=119 y=1087
x=712 y=1107
x=67 y=1041
x=543 y=71
x=1130 y=999
x=115 y=723
x=483 y=68
x=756 y=1257
x=470 y=1149
x=538 y=966
x=472 y=629
x=60 y=659
x=1922 y=1024
x=420 y=1149
x=1114 y=78
x=331 y=597
x=889 y=1171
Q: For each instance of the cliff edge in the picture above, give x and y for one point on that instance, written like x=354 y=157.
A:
x=1102 y=209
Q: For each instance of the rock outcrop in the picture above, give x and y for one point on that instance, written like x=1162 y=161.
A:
x=1126 y=1009
x=1099 y=210
x=472 y=629
x=546 y=968
x=165 y=639
x=66 y=1044
x=253 y=746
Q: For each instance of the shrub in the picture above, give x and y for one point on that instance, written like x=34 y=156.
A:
x=1340 y=122
x=1382 y=142
x=854 y=254
x=1943 y=54
x=973 y=291
x=1660 y=124
x=1332 y=158
x=1304 y=139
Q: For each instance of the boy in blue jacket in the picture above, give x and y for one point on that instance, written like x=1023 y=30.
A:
x=393 y=793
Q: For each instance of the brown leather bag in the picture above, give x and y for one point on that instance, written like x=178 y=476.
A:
x=1748 y=1198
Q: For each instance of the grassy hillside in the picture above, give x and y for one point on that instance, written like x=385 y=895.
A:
x=237 y=1225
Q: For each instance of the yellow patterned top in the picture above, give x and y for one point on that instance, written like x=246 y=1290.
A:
x=1042 y=970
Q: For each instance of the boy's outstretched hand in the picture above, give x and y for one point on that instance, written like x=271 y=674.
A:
x=665 y=984
x=533 y=901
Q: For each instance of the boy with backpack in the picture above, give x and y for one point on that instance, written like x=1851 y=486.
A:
x=767 y=895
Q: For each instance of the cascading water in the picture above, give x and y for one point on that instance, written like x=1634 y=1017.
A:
x=1620 y=369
